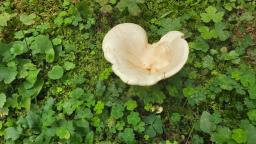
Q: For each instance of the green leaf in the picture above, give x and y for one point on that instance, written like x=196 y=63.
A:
x=194 y=95
x=42 y=44
x=175 y=118
x=117 y=111
x=155 y=125
x=158 y=125
x=252 y=92
x=18 y=48
x=56 y=72
x=5 y=17
x=169 y=24
x=211 y=14
x=63 y=133
x=133 y=118
x=99 y=107
x=206 y=125
x=131 y=5
x=219 y=29
x=197 y=140
x=200 y=44
x=222 y=135
x=140 y=127
x=127 y=136
x=206 y=33
x=8 y=74
x=69 y=66
x=239 y=135
x=57 y=41
x=251 y=134
x=77 y=93
x=2 y=100
x=89 y=138
x=12 y=133
x=150 y=131
x=208 y=62
x=131 y=105
x=27 y=19
x=252 y=115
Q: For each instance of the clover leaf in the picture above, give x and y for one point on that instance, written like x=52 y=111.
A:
x=127 y=135
x=117 y=111
x=133 y=118
x=131 y=105
x=211 y=14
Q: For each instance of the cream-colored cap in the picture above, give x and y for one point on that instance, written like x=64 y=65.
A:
x=138 y=63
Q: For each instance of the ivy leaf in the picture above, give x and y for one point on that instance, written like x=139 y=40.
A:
x=56 y=72
x=2 y=99
x=127 y=135
x=211 y=14
x=27 y=19
x=117 y=111
x=5 y=17
x=239 y=135
x=63 y=133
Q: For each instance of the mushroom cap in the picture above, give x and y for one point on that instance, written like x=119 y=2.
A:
x=138 y=63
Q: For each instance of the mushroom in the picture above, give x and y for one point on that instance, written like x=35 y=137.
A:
x=136 y=61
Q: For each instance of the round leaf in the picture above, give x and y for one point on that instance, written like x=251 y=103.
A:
x=56 y=72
